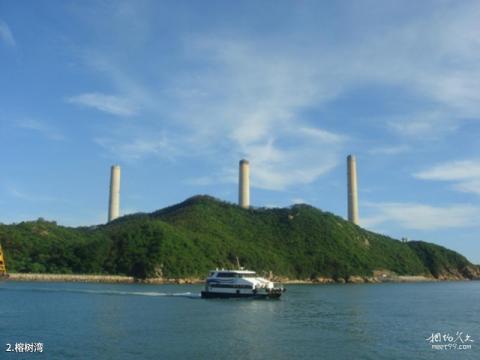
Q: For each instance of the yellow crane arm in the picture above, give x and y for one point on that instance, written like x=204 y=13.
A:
x=3 y=268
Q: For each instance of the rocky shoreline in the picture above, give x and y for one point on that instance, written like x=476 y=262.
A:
x=112 y=279
x=377 y=277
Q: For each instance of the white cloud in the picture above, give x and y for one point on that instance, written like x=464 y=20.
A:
x=249 y=105
x=42 y=128
x=464 y=173
x=299 y=158
x=253 y=101
x=435 y=58
x=469 y=186
x=111 y=104
x=454 y=170
x=323 y=135
x=424 y=125
x=422 y=217
x=390 y=150
x=6 y=34
x=138 y=146
x=246 y=96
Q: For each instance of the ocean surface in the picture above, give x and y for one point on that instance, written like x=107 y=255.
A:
x=364 y=321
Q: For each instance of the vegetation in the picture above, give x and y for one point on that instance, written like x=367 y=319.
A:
x=188 y=239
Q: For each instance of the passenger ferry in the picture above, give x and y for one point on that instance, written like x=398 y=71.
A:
x=239 y=284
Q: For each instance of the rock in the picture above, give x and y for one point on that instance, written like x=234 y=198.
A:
x=472 y=273
x=323 y=280
x=355 y=279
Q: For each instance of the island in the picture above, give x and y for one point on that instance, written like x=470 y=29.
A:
x=181 y=243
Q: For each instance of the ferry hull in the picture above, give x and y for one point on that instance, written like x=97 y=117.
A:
x=220 y=295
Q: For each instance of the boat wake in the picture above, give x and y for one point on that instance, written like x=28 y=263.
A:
x=108 y=292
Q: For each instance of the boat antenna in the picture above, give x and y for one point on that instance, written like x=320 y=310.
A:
x=238 y=263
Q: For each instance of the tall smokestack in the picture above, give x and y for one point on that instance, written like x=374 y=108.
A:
x=352 y=189
x=244 y=184
x=114 y=202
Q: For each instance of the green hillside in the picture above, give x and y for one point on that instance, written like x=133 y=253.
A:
x=190 y=238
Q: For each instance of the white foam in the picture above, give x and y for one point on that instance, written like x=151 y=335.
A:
x=111 y=292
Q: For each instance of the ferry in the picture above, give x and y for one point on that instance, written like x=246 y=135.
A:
x=239 y=284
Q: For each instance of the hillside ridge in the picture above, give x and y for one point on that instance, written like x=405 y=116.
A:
x=188 y=239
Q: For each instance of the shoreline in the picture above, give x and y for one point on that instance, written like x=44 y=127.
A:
x=119 y=279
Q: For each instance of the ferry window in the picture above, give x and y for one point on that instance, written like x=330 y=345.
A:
x=225 y=274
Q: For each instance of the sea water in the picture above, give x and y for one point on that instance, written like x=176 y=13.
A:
x=438 y=320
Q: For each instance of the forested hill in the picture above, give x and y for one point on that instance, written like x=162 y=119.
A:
x=201 y=233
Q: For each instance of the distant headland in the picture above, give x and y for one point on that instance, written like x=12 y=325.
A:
x=181 y=243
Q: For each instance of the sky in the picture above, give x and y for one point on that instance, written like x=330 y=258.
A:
x=177 y=92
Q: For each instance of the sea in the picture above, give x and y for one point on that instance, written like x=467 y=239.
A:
x=433 y=320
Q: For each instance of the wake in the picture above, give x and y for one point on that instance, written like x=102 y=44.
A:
x=107 y=292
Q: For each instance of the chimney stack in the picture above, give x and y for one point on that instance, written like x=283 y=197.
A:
x=352 y=189
x=244 y=184
x=114 y=201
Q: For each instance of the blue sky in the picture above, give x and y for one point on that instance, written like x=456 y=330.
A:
x=176 y=92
